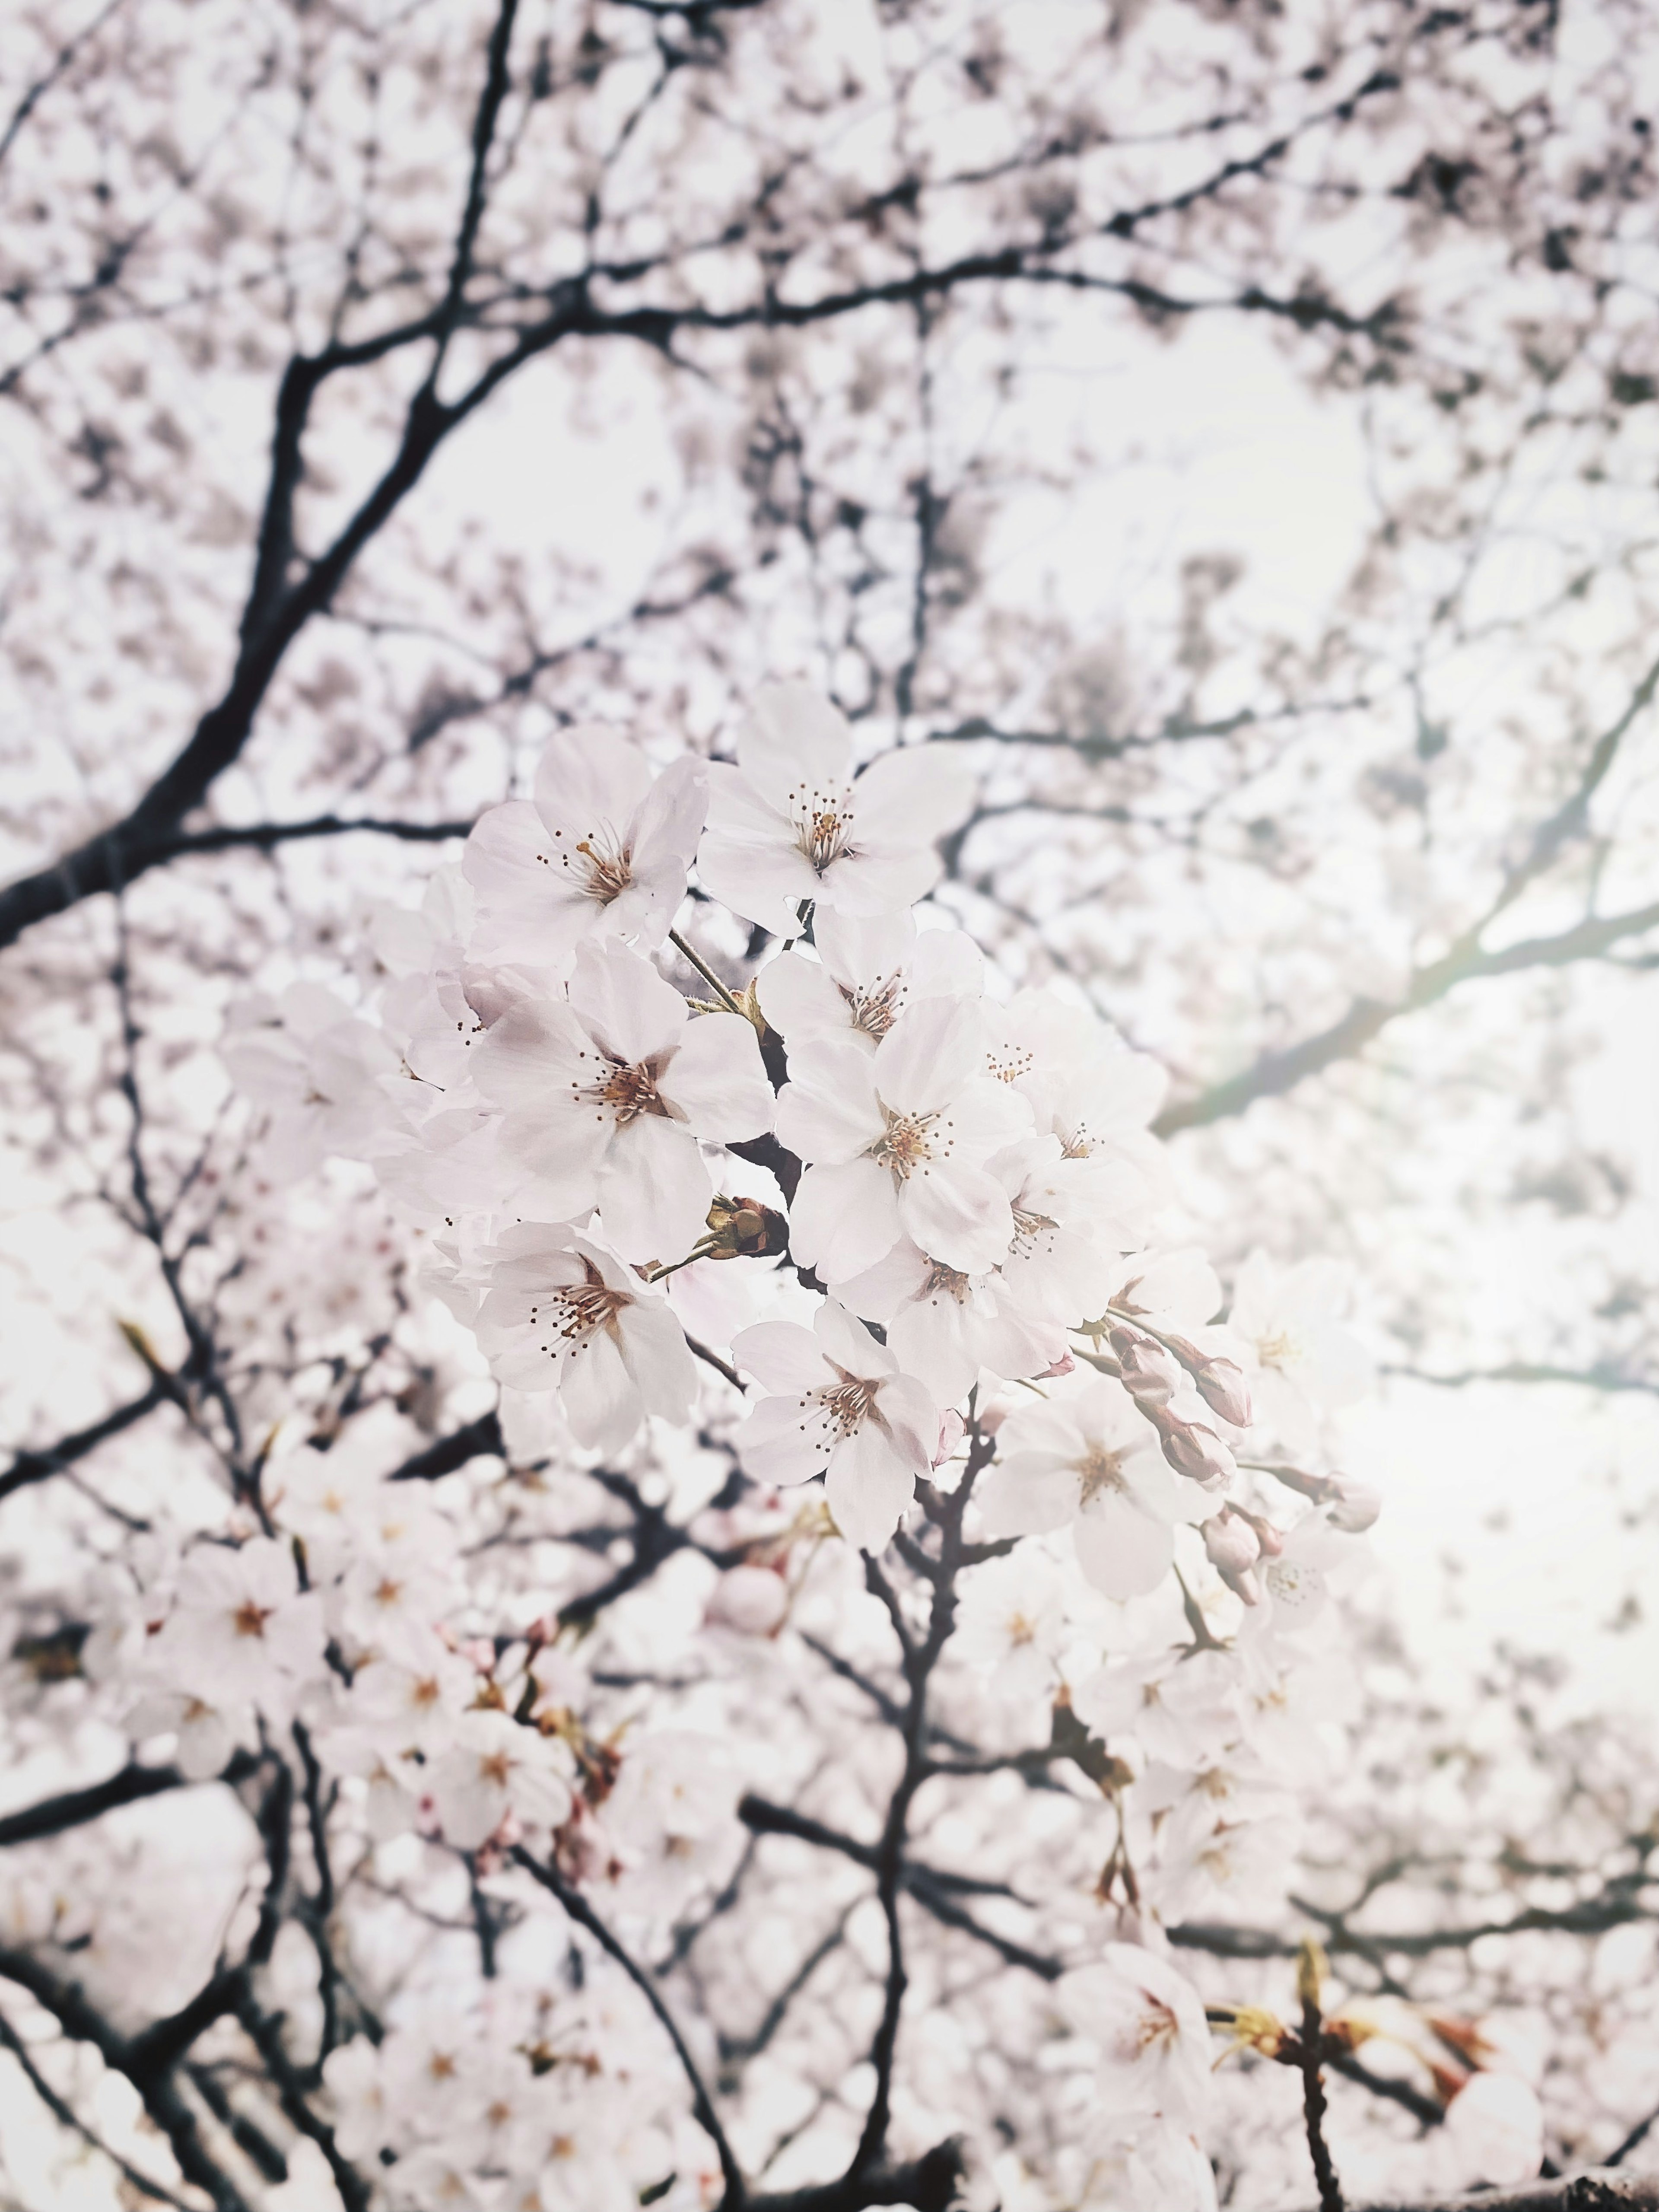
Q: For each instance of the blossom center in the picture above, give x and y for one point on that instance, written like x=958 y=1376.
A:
x=631 y=1091
x=600 y=863
x=1101 y=1471
x=251 y=1619
x=1158 y=2026
x=1280 y=1351
x=578 y=1311
x=949 y=1280
x=823 y=824
x=609 y=868
x=849 y=1405
x=875 y=1010
x=909 y=1141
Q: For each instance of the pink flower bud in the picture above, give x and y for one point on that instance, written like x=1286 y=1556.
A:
x=1064 y=1365
x=1225 y=1390
x=1355 y=1508
x=1151 y=1375
x=1193 y=1450
x=1231 y=1544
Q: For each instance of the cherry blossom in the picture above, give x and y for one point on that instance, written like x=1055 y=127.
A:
x=608 y=1092
x=240 y=1624
x=840 y=1407
x=561 y=1313
x=789 y=823
x=899 y=1145
x=1148 y=2023
x=868 y=969
x=601 y=850
x=1087 y=1457
x=496 y=1765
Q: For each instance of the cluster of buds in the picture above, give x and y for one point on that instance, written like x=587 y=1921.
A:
x=1152 y=1365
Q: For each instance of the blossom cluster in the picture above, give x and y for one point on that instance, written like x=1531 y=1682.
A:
x=868 y=1215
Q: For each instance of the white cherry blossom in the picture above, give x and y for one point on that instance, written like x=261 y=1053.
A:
x=601 y=850
x=608 y=1092
x=867 y=970
x=241 y=1628
x=1087 y=1456
x=561 y=1313
x=838 y=1406
x=1302 y=1361
x=1148 y=2022
x=790 y=823
x=898 y=1145
x=496 y=1766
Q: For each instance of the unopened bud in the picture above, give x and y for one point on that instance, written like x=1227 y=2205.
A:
x=1193 y=1450
x=742 y=1228
x=1231 y=1542
x=1224 y=1391
x=1151 y=1375
x=1355 y=1508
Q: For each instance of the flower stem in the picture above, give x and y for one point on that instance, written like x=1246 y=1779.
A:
x=705 y=971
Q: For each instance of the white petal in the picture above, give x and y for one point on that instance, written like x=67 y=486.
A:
x=1124 y=1550
x=827 y=1111
x=653 y=1191
x=801 y=999
x=671 y=820
x=764 y=882
x=600 y=1397
x=843 y=1219
x=960 y=1214
x=717 y=1080
x=862 y=949
x=912 y=796
x=869 y=1485
x=792 y=737
x=781 y=1357
x=659 y=1358
x=589 y=781
x=928 y=1055
x=846 y=1340
x=785 y=1441
x=625 y=1005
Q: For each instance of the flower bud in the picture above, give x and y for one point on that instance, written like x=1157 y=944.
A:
x=1151 y=1375
x=1193 y=1450
x=1224 y=1391
x=1231 y=1544
x=1355 y=1508
x=742 y=1228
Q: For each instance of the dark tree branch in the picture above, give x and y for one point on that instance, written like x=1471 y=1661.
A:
x=578 y=1909
x=29 y=1466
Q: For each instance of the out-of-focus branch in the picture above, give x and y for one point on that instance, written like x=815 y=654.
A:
x=578 y=1909
x=1525 y=1370
x=1276 y=1073
x=73 y=1807
x=35 y=1466
x=1466 y=961
x=479 y=1439
x=265 y=836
